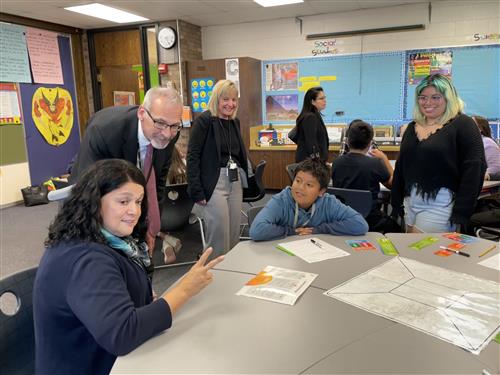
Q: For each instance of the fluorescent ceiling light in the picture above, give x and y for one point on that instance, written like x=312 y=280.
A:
x=273 y=3
x=107 y=13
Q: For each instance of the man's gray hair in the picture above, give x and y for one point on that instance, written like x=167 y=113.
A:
x=171 y=96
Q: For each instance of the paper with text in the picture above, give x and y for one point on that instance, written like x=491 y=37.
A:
x=278 y=285
x=312 y=250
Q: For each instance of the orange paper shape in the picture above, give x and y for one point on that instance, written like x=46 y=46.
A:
x=260 y=279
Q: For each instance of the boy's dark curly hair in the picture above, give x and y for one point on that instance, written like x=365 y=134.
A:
x=80 y=216
x=317 y=168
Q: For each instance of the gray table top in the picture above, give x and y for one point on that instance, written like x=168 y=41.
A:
x=219 y=332
x=252 y=257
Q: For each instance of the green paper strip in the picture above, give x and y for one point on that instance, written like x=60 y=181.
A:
x=285 y=250
x=387 y=246
x=497 y=338
x=423 y=243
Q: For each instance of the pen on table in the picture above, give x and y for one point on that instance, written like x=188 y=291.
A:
x=316 y=243
x=455 y=251
x=487 y=251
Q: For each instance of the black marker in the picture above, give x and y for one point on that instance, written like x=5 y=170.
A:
x=316 y=243
x=455 y=251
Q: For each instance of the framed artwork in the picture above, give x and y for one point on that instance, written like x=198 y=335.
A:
x=123 y=98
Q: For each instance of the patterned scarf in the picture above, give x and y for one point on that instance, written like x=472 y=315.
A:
x=135 y=251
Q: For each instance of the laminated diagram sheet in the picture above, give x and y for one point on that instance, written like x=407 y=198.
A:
x=458 y=308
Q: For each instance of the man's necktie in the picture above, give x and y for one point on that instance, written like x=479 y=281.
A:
x=153 y=207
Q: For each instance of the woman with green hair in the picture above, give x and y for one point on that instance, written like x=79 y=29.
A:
x=441 y=165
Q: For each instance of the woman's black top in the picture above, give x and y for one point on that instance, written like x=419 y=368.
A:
x=229 y=139
x=452 y=157
x=312 y=137
x=204 y=158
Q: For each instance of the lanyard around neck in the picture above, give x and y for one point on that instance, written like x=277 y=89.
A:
x=228 y=143
x=296 y=216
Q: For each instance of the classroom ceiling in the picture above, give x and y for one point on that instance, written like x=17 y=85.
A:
x=198 y=12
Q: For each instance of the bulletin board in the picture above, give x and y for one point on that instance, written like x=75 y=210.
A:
x=368 y=86
x=375 y=87
x=475 y=73
x=51 y=160
x=48 y=136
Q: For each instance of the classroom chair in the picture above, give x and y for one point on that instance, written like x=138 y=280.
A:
x=176 y=207
x=17 y=332
x=359 y=200
x=255 y=192
x=290 y=170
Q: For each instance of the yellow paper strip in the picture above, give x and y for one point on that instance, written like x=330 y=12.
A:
x=328 y=78
x=308 y=79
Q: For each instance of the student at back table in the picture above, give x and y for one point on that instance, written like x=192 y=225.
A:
x=306 y=208
x=364 y=168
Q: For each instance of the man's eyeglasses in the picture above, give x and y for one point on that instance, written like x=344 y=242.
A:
x=432 y=99
x=162 y=125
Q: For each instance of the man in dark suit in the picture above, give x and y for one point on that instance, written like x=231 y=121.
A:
x=125 y=132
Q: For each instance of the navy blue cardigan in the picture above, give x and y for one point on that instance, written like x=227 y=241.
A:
x=91 y=304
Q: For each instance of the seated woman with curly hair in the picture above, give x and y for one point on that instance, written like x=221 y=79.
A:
x=92 y=298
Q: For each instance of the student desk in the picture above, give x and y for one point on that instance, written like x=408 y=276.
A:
x=219 y=332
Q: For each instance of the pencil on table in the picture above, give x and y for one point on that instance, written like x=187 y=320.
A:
x=487 y=251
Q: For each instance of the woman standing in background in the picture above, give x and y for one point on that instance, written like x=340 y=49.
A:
x=217 y=167
x=312 y=137
x=441 y=164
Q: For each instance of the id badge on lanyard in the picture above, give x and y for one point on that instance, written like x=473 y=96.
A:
x=232 y=170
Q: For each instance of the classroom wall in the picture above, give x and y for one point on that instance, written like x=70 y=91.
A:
x=449 y=23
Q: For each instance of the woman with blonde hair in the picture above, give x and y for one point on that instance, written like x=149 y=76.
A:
x=217 y=167
x=441 y=164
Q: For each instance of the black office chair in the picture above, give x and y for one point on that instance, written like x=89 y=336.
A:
x=251 y=213
x=256 y=189
x=176 y=206
x=290 y=169
x=359 y=200
x=255 y=192
x=488 y=233
x=17 y=343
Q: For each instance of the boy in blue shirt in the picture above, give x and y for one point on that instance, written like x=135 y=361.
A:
x=306 y=208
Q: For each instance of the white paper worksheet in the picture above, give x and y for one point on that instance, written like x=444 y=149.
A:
x=312 y=249
x=277 y=284
x=492 y=262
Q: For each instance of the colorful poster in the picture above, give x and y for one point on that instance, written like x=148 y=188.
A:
x=282 y=107
x=201 y=91
x=10 y=107
x=14 y=64
x=420 y=65
x=53 y=114
x=282 y=76
x=44 y=55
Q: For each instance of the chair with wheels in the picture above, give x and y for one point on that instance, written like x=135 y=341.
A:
x=290 y=170
x=176 y=206
x=359 y=200
x=17 y=343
